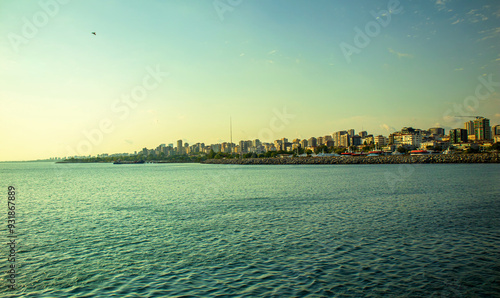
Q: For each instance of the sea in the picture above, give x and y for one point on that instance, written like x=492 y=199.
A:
x=199 y=230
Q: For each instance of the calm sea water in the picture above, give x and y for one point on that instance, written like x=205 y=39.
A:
x=190 y=230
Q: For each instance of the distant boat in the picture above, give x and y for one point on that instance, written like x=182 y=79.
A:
x=126 y=162
x=375 y=153
x=419 y=152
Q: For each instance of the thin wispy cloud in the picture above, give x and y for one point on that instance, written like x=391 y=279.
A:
x=488 y=34
x=497 y=13
x=441 y=4
x=400 y=55
x=387 y=128
x=470 y=16
x=474 y=16
x=459 y=69
x=272 y=52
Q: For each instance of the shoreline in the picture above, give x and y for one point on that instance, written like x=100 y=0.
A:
x=390 y=159
x=342 y=160
x=127 y=163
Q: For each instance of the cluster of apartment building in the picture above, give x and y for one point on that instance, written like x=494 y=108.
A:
x=338 y=139
x=474 y=132
x=477 y=133
x=477 y=130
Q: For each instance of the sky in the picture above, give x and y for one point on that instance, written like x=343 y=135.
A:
x=159 y=71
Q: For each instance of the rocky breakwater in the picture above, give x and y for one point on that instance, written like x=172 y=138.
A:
x=391 y=159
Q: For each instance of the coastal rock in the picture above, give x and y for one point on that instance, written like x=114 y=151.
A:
x=343 y=160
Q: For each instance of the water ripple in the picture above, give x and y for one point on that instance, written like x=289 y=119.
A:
x=338 y=233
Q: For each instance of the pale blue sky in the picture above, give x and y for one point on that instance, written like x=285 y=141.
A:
x=262 y=56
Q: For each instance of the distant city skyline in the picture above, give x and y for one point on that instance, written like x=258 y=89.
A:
x=478 y=131
x=157 y=72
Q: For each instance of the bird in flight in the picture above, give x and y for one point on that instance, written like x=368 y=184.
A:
x=94 y=33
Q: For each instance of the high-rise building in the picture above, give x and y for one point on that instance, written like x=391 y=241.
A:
x=469 y=126
x=408 y=130
x=351 y=132
x=368 y=140
x=269 y=147
x=356 y=140
x=303 y=144
x=337 y=137
x=363 y=134
x=179 y=146
x=195 y=148
x=409 y=139
x=379 y=140
x=278 y=144
x=345 y=140
x=225 y=147
x=245 y=146
x=216 y=148
x=437 y=131
x=312 y=142
x=482 y=129
x=496 y=130
x=319 y=141
x=458 y=135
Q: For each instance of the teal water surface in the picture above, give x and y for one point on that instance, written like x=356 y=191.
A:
x=192 y=230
